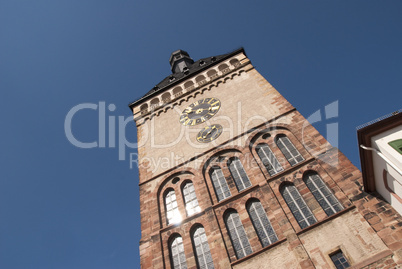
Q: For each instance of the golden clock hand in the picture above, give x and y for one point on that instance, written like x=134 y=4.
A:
x=195 y=110
x=198 y=111
x=209 y=131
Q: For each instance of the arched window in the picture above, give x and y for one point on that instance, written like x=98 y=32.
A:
x=144 y=108
x=166 y=97
x=172 y=210
x=289 y=150
x=238 y=174
x=203 y=254
x=190 y=199
x=237 y=234
x=268 y=159
x=234 y=62
x=223 y=67
x=177 y=255
x=261 y=223
x=154 y=103
x=322 y=194
x=189 y=85
x=177 y=91
x=199 y=78
x=220 y=185
x=297 y=205
x=212 y=74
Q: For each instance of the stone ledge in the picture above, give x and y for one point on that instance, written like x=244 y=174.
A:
x=326 y=220
x=373 y=259
x=258 y=252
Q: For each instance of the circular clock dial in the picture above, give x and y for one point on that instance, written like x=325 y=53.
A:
x=200 y=111
x=209 y=133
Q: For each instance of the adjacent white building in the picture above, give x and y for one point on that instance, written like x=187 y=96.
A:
x=380 y=146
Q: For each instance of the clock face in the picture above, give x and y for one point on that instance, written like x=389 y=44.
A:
x=200 y=111
x=209 y=133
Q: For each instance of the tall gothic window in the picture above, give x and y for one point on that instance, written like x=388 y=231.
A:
x=322 y=194
x=203 y=254
x=178 y=258
x=237 y=234
x=220 y=185
x=268 y=159
x=239 y=175
x=261 y=223
x=190 y=199
x=298 y=206
x=172 y=210
x=289 y=150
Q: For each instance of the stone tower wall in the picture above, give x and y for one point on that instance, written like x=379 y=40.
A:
x=367 y=230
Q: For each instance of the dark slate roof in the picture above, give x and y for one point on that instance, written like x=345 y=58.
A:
x=176 y=78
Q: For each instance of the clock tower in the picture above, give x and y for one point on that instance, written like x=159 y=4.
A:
x=233 y=176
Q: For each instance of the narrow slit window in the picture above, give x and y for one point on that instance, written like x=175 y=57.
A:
x=220 y=185
x=172 y=209
x=298 y=206
x=268 y=159
x=238 y=174
x=289 y=150
x=322 y=194
x=261 y=223
x=237 y=235
x=190 y=199
x=202 y=251
x=177 y=255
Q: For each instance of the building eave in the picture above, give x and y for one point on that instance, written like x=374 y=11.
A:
x=178 y=81
x=364 y=136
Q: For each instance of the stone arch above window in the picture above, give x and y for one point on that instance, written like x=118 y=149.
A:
x=177 y=254
x=225 y=171
x=288 y=149
x=238 y=174
x=173 y=181
x=201 y=248
x=261 y=223
x=297 y=205
x=175 y=177
x=190 y=198
x=237 y=234
x=223 y=155
x=266 y=134
x=322 y=193
x=171 y=206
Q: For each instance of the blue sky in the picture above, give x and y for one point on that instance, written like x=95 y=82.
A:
x=66 y=207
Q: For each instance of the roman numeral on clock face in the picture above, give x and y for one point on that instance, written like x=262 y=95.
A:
x=200 y=111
